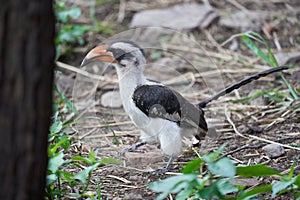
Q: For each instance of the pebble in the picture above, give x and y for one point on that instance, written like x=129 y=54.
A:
x=273 y=150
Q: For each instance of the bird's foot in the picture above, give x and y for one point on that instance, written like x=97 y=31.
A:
x=132 y=148
x=159 y=171
x=165 y=169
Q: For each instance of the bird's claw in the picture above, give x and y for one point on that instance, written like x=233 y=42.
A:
x=159 y=171
x=123 y=151
x=132 y=148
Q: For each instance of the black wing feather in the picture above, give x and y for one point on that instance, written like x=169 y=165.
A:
x=146 y=97
x=159 y=101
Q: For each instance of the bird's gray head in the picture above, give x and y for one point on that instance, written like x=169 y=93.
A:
x=123 y=54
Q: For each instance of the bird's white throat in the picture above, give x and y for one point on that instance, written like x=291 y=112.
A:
x=129 y=78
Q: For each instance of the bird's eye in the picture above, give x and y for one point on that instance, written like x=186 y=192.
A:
x=124 y=62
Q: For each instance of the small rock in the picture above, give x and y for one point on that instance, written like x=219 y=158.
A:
x=257 y=160
x=135 y=177
x=136 y=159
x=258 y=101
x=287 y=57
x=64 y=83
x=255 y=128
x=111 y=99
x=295 y=80
x=133 y=195
x=245 y=20
x=182 y=16
x=234 y=45
x=273 y=150
x=212 y=132
x=245 y=181
x=146 y=37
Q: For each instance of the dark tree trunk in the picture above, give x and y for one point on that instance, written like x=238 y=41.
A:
x=26 y=75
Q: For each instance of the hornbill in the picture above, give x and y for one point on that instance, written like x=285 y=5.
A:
x=162 y=114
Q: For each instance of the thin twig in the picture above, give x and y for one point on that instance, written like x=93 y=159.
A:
x=122 y=9
x=272 y=142
x=227 y=114
x=80 y=71
x=120 y=179
x=258 y=146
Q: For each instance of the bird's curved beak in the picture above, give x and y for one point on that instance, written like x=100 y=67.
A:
x=99 y=54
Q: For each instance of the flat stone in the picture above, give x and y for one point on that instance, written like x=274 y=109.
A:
x=244 y=20
x=273 y=150
x=180 y=17
x=295 y=80
x=64 y=83
x=133 y=195
x=111 y=99
x=258 y=101
x=287 y=57
x=139 y=159
x=245 y=181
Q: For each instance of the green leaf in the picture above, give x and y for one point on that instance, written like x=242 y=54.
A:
x=65 y=141
x=99 y=191
x=255 y=171
x=74 y=195
x=55 y=162
x=223 y=167
x=51 y=178
x=210 y=192
x=72 y=33
x=281 y=186
x=172 y=184
x=213 y=156
x=65 y=15
x=192 y=166
x=225 y=187
x=92 y=156
x=84 y=174
x=67 y=176
x=290 y=176
x=297 y=181
x=80 y=158
x=249 y=194
x=56 y=127
x=52 y=149
x=58 y=50
x=256 y=49
x=70 y=105
x=184 y=194
x=297 y=196
x=269 y=58
x=105 y=161
x=273 y=94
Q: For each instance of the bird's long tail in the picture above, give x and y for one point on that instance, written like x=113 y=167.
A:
x=242 y=82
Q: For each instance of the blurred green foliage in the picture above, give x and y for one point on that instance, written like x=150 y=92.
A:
x=219 y=181
x=70 y=33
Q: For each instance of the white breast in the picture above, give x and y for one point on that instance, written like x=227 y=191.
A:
x=152 y=129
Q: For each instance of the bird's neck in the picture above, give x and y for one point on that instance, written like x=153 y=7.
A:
x=131 y=77
x=128 y=82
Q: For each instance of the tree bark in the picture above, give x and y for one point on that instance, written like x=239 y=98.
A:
x=26 y=76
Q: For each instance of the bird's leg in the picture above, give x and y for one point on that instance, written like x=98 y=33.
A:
x=131 y=148
x=165 y=169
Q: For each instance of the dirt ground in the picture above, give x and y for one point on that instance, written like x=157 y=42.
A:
x=213 y=67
